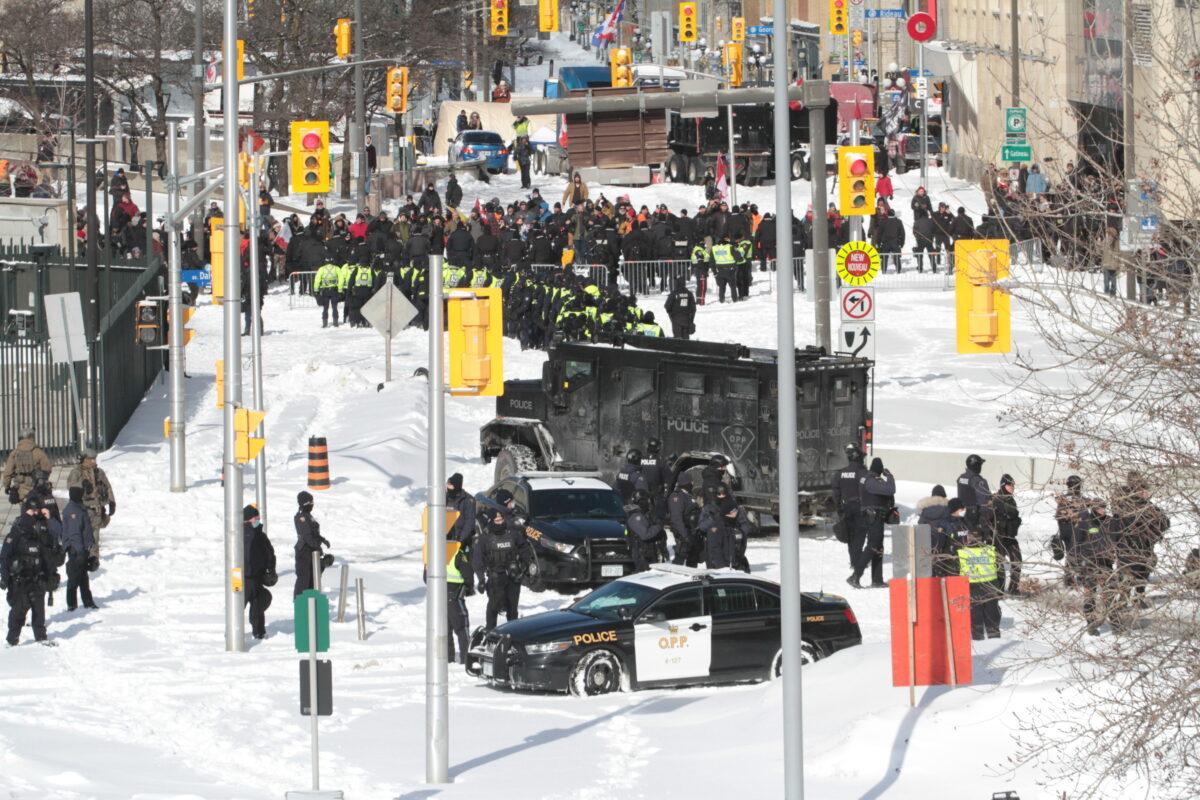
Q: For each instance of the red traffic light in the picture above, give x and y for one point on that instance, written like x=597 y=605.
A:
x=500 y=5
x=839 y=4
x=311 y=141
x=687 y=11
x=858 y=166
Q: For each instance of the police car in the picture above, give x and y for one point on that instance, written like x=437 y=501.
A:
x=670 y=626
x=575 y=524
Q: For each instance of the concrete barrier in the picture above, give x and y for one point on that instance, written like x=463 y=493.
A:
x=933 y=465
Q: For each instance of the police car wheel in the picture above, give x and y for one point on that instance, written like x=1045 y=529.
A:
x=596 y=672
x=809 y=653
x=533 y=576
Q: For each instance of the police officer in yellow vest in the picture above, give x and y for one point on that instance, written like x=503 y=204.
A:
x=460 y=584
x=726 y=264
x=360 y=292
x=977 y=563
x=700 y=262
x=744 y=255
x=325 y=287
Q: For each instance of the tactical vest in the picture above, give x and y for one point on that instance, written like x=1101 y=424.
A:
x=978 y=564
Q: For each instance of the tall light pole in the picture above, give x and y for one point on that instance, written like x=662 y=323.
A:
x=437 y=708
x=199 y=156
x=178 y=441
x=360 y=113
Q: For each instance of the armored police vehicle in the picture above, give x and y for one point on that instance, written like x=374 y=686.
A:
x=594 y=402
x=670 y=626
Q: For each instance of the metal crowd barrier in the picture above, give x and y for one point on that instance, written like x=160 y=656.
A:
x=300 y=290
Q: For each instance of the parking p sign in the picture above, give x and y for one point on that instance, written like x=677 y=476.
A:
x=1014 y=122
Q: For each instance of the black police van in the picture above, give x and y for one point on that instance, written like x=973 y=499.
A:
x=670 y=626
x=594 y=402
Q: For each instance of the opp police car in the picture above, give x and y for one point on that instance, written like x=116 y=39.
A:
x=669 y=626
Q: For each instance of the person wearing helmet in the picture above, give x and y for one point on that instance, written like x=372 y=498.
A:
x=1068 y=508
x=98 y=496
x=646 y=536
x=682 y=510
x=630 y=478
x=720 y=542
x=27 y=571
x=713 y=475
x=308 y=541
x=462 y=502
x=878 y=490
x=23 y=461
x=845 y=486
x=500 y=558
x=1006 y=523
x=656 y=470
x=974 y=492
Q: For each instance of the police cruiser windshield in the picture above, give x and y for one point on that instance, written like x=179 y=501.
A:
x=616 y=600
x=594 y=503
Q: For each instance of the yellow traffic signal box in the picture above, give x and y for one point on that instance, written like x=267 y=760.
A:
x=342 y=40
x=476 y=327
x=838 y=22
x=220 y=374
x=737 y=29
x=548 y=16
x=983 y=311
x=147 y=323
x=309 y=156
x=856 y=181
x=216 y=246
x=687 y=22
x=619 y=61
x=188 y=313
x=246 y=422
x=499 y=17
x=397 y=89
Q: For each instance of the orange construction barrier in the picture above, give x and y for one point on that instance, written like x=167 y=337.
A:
x=318 y=464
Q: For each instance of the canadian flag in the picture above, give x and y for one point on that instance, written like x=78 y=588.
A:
x=722 y=180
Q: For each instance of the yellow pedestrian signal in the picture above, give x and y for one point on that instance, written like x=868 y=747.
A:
x=216 y=246
x=220 y=384
x=397 y=89
x=468 y=79
x=619 y=61
x=737 y=29
x=147 y=324
x=310 y=156
x=687 y=22
x=246 y=422
x=188 y=313
x=499 y=17
x=244 y=170
x=732 y=56
x=548 y=16
x=342 y=41
x=983 y=311
x=838 y=24
x=856 y=38
x=476 y=325
x=241 y=62
x=856 y=181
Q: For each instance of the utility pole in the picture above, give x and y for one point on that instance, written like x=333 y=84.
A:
x=789 y=519
x=1015 y=13
x=235 y=615
x=178 y=441
x=817 y=101
x=732 y=171
x=924 y=112
x=199 y=156
x=1128 y=149
x=359 y=143
x=253 y=224
x=437 y=708
x=89 y=133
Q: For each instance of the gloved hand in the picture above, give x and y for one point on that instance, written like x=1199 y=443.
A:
x=482 y=586
x=14 y=496
x=112 y=507
x=325 y=542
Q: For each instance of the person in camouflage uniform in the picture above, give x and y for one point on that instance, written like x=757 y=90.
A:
x=23 y=461
x=97 y=492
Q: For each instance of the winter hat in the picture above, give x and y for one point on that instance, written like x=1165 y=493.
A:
x=249 y=513
x=728 y=504
x=938 y=491
x=877 y=465
x=955 y=505
x=455 y=481
x=502 y=496
x=684 y=481
x=1007 y=480
x=76 y=494
x=304 y=499
x=1074 y=482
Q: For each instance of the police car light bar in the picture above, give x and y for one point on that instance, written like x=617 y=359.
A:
x=559 y=474
x=696 y=573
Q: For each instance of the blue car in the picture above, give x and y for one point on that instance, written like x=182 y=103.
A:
x=473 y=145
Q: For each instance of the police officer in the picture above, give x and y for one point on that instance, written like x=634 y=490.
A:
x=462 y=502
x=260 y=570
x=657 y=472
x=681 y=511
x=726 y=265
x=79 y=542
x=500 y=557
x=977 y=563
x=739 y=528
x=25 y=459
x=460 y=584
x=27 y=572
x=325 y=287
x=1092 y=552
x=308 y=541
x=1006 y=523
x=846 y=487
x=877 y=489
x=974 y=492
x=713 y=475
x=719 y=544
x=701 y=259
x=1068 y=508
x=630 y=478
x=647 y=539
x=681 y=310
x=98 y=496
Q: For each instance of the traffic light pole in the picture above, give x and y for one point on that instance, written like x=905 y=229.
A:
x=360 y=113
x=253 y=224
x=816 y=100
x=198 y=143
x=789 y=516
x=177 y=439
x=924 y=113
x=235 y=615
x=437 y=709
x=856 y=223
x=732 y=171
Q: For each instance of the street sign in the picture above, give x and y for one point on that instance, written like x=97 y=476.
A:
x=64 y=323
x=885 y=13
x=324 y=689
x=857 y=339
x=857 y=263
x=1015 y=122
x=300 y=608
x=921 y=85
x=1016 y=151
x=857 y=303
x=760 y=30
x=389 y=318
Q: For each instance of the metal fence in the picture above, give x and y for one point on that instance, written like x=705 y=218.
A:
x=300 y=290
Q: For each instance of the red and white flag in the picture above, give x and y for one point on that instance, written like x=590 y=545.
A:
x=722 y=180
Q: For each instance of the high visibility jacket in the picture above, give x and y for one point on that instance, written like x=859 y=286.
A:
x=453 y=575
x=452 y=276
x=345 y=275
x=363 y=277
x=723 y=255
x=978 y=564
x=327 y=278
x=699 y=254
x=745 y=250
x=649 y=329
x=592 y=289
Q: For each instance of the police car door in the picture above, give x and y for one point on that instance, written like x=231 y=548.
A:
x=673 y=638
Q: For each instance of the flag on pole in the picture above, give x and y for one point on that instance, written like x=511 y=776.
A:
x=722 y=180
x=606 y=32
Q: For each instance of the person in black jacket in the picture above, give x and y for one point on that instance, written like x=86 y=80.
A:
x=79 y=541
x=454 y=193
x=681 y=309
x=764 y=241
x=974 y=492
x=260 y=570
x=500 y=558
x=629 y=477
x=891 y=240
x=462 y=502
x=943 y=224
x=923 y=236
x=846 y=487
x=961 y=228
x=878 y=489
x=682 y=510
x=1006 y=522
x=308 y=541
x=430 y=202
x=460 y=248
x=646 y=536
x=27 y=571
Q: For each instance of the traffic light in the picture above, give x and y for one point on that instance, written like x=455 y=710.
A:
x=476 y=326
x=147 y=323
x=737 y=29
x=982 y=310
x=856 y=181
x=468 y=79
x=733 y=58
x=188 y=313
x=687 y=22
x=837 y=17
x=246 y=422
x=244 y=170
x=216 y=246
x=342 y=41
x=548 y=16
x=310 y=156
x=856 y=37
x=397 y=89
x=241 y=62
x=499 y=17
x=220 y=374
x=619 y=59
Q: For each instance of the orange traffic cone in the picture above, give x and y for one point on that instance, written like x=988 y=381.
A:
x=318 y=464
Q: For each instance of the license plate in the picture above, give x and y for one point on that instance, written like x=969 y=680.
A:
x=611 y=571
x=489 y=669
